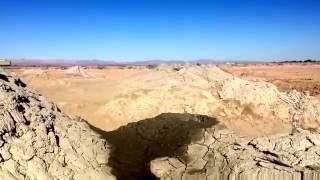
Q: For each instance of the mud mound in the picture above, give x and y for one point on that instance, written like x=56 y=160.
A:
x=76 y=71
x=247 y=107
x=37 y=141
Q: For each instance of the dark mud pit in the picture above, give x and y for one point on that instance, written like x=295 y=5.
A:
x=136 y=144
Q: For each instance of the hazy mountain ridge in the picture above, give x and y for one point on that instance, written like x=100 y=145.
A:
x=96 y=62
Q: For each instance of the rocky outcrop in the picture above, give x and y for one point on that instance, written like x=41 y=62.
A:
x=37 y=141
x=221 y=154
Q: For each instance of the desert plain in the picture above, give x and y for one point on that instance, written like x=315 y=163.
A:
x=189 y=121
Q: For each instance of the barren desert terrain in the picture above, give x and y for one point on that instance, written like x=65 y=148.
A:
x=160 y=90
x=169 y=121
x=91 y=92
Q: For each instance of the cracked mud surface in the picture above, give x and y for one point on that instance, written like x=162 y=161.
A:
x=37 y=141
x=221 y=154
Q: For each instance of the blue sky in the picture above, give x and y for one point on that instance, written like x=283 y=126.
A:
x=160 y=29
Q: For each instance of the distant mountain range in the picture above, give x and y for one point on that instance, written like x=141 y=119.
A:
x=95 y=62
x=59 y=62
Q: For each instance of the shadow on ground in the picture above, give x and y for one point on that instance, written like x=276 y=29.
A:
x=136 y=144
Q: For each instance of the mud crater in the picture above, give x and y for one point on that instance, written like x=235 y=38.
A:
x=136 y=144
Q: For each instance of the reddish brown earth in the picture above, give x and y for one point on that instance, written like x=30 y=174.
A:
x=302 y=77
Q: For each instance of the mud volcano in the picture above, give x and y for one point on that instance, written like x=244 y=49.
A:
x=260 y=134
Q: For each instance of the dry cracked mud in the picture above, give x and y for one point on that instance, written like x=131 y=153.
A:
x=37 y=141
x=221 y=154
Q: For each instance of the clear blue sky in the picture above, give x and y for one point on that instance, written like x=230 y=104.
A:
x=160 y=29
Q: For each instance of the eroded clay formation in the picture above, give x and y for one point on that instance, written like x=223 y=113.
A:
x=37 y=141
